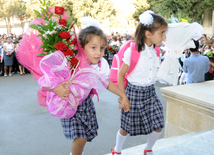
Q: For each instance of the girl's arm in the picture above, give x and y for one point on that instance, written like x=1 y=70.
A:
x=61 y=91
x=124 y=103
x=120 y=78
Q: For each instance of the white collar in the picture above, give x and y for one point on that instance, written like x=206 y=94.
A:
x=147 y=47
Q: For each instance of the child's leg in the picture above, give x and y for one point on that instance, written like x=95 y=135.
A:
x=78 y=145
x=152 y=138
x=121 y=137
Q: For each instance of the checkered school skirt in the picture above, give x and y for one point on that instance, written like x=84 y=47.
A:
x=83 y=124
x=146 y=111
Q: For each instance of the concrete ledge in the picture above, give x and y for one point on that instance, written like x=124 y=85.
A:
x=190 y=108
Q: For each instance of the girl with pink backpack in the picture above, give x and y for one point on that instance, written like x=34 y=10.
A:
x=146 y=112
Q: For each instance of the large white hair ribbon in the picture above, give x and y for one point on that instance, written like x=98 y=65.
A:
x=146 y=18
x=178 y=38
x=89 y=21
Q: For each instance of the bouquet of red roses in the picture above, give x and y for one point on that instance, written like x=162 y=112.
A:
x=112 y=49
x=51 y=51
x=56 y=33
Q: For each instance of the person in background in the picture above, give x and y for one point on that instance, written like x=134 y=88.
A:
x=212 y=44
x=205 y=47
x=1 y=57
x=21 y=68
x=196 y=66
x=115 y=41
x=9 y=49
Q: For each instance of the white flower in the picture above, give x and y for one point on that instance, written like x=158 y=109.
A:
x=53 y=32
x=53 y=19
x=72 y=38
x=71 y=46
x=45 y=36
x=48 y=32
x=72 y=33
x=146 y=18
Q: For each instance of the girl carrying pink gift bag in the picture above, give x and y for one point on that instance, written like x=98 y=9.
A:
x=68 y=80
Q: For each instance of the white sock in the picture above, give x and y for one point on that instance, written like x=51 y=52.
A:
x=119 y=142
x=152 y=138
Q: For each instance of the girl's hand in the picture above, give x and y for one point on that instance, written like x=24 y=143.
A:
x=61 y=91
x=124 y=104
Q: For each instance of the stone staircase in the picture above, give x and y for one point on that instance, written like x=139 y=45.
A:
x=196 y=143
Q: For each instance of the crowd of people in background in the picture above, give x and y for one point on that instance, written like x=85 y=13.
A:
x=9 y=43
x=8 y=60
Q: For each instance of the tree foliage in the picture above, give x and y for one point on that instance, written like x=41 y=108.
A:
x=141 y=6
x=10 y=9
x=98 y=9
x=188 y=8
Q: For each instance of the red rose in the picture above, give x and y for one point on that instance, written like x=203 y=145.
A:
x=74 y=61
x=73 y=42
x=59 y=10
x=68 y=52
x=63 y=22
x=64 y=35
x=61 y=46
x=109 y=47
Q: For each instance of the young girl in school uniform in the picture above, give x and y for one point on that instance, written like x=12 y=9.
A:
x=146 y=111
x=83 y=126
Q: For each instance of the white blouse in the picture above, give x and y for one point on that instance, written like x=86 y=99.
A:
x=104 y=69
x=9 y=47
x=144 y=73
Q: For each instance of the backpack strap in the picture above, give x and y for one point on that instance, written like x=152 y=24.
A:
x=135 y=55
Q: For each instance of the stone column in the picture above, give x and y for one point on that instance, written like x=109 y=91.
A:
x=190 y=108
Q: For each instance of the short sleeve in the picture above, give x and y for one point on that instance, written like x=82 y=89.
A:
x=105 y=69
x=127 y=55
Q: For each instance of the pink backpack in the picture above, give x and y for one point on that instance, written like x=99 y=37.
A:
x=117 y=62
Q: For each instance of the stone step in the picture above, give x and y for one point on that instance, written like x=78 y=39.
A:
x=200 y=143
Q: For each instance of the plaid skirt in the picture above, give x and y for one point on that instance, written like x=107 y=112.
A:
x=146 y=111
x=83 y=124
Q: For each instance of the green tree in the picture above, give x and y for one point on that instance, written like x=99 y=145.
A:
x=188 y=8
x=8 y=10
x=21 y=13
x=141 y=6
x=31 y=6
x=98 y=9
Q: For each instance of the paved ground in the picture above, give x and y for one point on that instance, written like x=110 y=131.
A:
x=28 y=129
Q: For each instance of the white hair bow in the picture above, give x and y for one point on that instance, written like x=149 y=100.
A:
x=146 y=18
x=89 y=21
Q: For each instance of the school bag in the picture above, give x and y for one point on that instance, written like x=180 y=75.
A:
x=117 y=61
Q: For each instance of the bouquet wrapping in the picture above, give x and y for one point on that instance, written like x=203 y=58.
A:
x=51 y=51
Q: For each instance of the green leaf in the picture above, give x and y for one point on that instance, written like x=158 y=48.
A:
x=51 y=15
x=39 y=35
x=41 y=54
x=37 y=12
x=51 y=46
x=40 y=2
x=34 y=26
